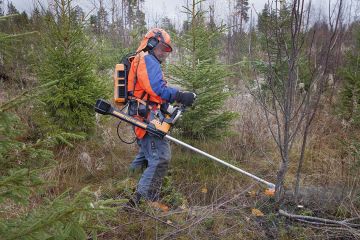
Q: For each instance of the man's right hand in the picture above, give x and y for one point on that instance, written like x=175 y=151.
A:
x=186 y=98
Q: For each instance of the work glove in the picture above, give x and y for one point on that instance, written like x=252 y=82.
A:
x=186 y=98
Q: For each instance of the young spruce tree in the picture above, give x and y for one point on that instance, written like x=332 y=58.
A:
x=68 y=58
x=68 y=216
x=199 y=70
x=349 y=106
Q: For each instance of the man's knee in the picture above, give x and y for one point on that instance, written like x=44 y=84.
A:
x=163 y=149
x=137 y=169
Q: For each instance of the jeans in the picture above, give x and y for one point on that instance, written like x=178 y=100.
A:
x=154 y=155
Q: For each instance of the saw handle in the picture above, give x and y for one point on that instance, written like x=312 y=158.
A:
x=105 y=108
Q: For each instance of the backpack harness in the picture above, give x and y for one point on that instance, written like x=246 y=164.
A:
x=163 y=116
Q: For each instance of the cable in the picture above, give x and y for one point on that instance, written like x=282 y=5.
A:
x=117 y=131
x=118 y=127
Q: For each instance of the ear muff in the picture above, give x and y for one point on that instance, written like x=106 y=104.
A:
x=154 y=41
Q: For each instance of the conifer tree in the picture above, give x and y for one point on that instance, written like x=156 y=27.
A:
x=349 y=106
x=14 y=154
x=65 y=217
x=68 y=58
x=68 y=216
x=200 y=71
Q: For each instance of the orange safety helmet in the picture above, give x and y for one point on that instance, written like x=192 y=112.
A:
x=154 y=37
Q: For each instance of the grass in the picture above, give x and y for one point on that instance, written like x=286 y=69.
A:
x=198 y=181
x=196 y=185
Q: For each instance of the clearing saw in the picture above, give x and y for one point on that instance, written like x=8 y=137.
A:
x=159 y=125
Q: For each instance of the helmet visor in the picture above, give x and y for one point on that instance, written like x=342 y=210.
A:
x=164 y=47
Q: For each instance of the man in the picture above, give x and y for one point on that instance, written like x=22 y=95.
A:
x=146 y=83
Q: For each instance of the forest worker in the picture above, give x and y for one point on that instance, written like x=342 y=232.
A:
x=146 y=82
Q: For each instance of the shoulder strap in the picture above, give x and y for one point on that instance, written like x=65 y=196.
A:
x=135 y=79
x=136 y=71
x=147 y=104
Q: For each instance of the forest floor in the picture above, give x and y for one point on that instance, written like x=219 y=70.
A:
x=209 y=201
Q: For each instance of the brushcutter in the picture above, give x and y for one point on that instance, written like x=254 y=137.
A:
x=159 y=126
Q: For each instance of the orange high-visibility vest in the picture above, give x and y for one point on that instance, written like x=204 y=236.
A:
x=146 y=82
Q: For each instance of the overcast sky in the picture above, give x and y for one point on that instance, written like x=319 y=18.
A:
x=170 y=7
x=154 y=9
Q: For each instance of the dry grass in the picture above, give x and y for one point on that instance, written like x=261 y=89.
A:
x=203 y=182
x=93 y=162
x=207 y=187
x=329 y=176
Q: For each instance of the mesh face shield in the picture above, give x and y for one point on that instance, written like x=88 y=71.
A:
x=163 y=46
